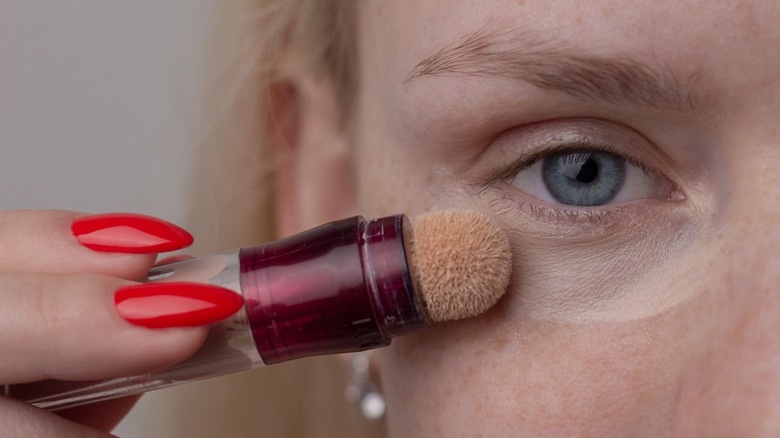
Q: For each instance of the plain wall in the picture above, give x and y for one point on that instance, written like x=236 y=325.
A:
x=98 y=105
x=98 y=102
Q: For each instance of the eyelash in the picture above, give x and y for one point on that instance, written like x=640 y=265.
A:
x=561 y=214
x=523 y=163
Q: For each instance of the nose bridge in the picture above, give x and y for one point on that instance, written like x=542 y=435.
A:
x=734 y=386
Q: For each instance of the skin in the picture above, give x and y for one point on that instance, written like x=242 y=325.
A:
x=653 y=316
x=57 y=294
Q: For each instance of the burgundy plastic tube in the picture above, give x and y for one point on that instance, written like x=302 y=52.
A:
x=345 y=286
x=342 y=287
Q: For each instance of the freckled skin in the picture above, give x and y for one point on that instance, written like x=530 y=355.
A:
x=525 y=384
x=677 y=338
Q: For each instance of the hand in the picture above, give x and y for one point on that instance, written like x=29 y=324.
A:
x=58 y=319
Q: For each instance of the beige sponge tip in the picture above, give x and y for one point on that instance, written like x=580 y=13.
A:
x=462 y=263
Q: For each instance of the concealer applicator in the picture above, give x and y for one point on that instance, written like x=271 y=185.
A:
x=345 y=286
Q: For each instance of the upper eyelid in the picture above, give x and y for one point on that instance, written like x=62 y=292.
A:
x=562 y=140
x=505 y=173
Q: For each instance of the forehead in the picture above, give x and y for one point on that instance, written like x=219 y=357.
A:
x=688 y=36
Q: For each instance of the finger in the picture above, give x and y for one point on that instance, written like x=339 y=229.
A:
x=67 y=327
x=44 y=241
x=102 y=416
x=172 y=259
x=18 y=419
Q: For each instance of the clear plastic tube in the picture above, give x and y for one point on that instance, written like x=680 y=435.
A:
x=342 y=287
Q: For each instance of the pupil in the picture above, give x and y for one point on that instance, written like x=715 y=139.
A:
x=588 y=172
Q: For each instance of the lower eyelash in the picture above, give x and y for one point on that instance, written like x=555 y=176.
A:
x=574 y=223
x=571 y=216
x=558 y=216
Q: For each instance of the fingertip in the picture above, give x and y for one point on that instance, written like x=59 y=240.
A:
x=43 y=241
x=101 y=416
x=172 y=259
x=72 y=330
x=23 y=420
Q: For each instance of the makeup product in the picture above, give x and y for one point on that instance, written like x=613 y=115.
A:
x=345 y=286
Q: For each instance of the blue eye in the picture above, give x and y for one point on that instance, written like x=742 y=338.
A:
x=589 y=178
x=584 y=178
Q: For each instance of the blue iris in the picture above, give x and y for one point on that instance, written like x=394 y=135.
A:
x=584 y=178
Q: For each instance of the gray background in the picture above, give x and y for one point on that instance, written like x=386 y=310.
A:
x=98 y=101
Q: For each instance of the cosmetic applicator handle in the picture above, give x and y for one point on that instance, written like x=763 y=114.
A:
x=342 y=287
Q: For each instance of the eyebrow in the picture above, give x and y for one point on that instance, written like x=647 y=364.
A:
x=550 y=66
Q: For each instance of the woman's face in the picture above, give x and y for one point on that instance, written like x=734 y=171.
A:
x=631 y=151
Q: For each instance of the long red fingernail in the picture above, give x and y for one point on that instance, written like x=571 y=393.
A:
x=161 y=305
x=129 y=233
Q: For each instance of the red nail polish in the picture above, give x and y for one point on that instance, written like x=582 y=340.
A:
x=161 y=305
x=129 y=233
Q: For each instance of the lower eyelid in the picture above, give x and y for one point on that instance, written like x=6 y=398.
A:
x=576 y=223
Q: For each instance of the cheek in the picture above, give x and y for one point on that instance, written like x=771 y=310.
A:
x=542 y=377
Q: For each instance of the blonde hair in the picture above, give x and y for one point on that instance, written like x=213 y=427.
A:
x=233 y=190
x=232 y=198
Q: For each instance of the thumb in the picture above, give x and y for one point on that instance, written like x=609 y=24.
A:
x=18 y=419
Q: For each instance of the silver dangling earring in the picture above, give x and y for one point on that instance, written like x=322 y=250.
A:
x=362 y=391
